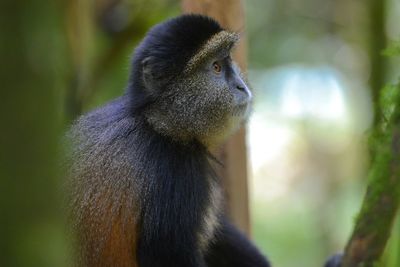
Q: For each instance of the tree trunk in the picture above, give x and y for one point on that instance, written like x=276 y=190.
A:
x=32 y=61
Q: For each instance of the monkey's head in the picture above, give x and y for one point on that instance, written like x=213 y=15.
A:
x=185 y=83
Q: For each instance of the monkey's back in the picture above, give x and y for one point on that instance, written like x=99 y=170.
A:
x=104 y=185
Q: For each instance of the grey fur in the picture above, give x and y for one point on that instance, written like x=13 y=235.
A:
x=196 y=107
x=105 y=182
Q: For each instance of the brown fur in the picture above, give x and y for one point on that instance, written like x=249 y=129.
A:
x=108 y=240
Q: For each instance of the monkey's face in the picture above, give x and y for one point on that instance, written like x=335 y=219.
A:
x=206 y=104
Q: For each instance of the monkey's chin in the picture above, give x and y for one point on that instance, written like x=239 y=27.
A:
x=233 y=123
x=242 y=111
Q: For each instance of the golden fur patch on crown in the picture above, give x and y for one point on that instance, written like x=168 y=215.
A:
x=223 y=39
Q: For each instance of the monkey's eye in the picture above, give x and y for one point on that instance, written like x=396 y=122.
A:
x=217 y=67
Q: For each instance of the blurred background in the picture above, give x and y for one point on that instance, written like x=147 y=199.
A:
x=316 y=67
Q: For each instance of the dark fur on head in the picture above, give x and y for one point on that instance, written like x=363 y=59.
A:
x=168 y=46
x=170 y=85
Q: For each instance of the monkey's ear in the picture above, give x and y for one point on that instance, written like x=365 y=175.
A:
x=151 y=74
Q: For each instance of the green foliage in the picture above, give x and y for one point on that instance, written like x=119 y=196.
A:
x=389 y=100
x=393 y=49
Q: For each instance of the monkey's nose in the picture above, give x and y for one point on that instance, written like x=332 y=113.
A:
x=241 y=88
x=243 y=91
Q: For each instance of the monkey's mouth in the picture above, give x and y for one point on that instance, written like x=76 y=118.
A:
x=241 y=110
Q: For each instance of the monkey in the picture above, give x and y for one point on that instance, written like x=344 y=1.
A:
x=142 y=187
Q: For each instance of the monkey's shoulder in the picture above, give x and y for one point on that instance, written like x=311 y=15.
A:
x=103 y=151
x=103 y=135
x=105 y=125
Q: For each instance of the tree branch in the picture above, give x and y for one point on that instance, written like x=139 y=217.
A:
x=381 y=202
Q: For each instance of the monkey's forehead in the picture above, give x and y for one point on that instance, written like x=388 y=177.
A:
x=223 y=40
